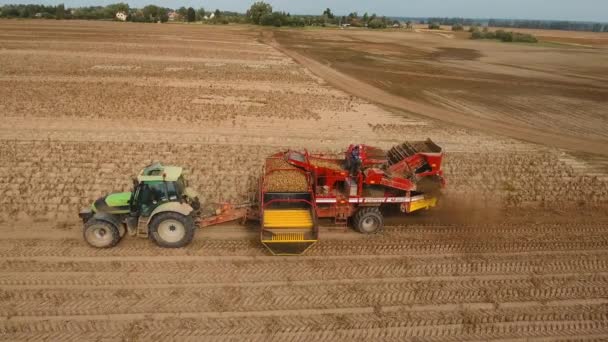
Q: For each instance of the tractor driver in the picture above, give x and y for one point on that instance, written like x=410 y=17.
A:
x=151 y=195
x=355 y=161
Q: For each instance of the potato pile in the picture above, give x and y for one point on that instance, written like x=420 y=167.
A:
x=284 y=180
x=328 y=163
x=277 y=163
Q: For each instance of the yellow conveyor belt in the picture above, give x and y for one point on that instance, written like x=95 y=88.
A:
x=288 y=218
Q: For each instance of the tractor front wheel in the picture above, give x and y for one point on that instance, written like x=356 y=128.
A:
x=172 y=230
x=368 y=220
x=101 y=234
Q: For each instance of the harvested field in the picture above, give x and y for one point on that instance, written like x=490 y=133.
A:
x=516 y=251
x=547 y=94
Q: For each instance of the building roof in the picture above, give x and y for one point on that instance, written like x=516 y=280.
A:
x=159 y=172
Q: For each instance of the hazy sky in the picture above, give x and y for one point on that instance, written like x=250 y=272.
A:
x=587 y=10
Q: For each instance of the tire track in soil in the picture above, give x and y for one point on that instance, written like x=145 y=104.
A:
x=555 y=278
x=188 y=283
x=156 y=273
x=368 y=246
x=96 y=301
x=417 y=229
x=572 y=252
x=545 y=331
x=568 y=319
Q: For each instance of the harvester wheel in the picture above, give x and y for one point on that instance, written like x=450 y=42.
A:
x=172 y=230
x=101 y=234
x=368 y=220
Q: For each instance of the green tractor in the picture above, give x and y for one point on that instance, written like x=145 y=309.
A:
x=161 y=206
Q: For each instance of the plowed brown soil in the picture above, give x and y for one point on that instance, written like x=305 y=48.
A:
x=554 y=96
x=517 y=250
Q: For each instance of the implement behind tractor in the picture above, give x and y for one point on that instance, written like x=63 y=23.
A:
x=287 y=209
x=296 y=190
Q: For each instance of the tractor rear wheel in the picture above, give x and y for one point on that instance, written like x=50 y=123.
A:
x=172 y=230
x=101 y=234
x=368 y=220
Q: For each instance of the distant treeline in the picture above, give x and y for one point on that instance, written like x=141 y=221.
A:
x=261 y=13
x=29 y=11
x=505 y=36
x=150 y=13
x=550 y=25
x=510 y=23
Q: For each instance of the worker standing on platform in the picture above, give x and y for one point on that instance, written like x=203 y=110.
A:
x=355 y=162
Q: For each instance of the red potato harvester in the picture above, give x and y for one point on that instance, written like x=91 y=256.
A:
x=296 y=189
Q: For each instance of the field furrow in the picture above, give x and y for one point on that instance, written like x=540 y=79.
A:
x=100 y=272
x=559 y=319
x=375 y=245
x=294 y=296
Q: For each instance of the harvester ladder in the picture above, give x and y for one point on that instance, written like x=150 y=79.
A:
x=341 y=218
x=142 y=226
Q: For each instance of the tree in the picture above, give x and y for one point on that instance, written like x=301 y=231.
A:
x=524 y=38
x=24 y=12
x=217 y=13
x=376 y=23
x=503 y=35
x=200 y=13
x=457 y=27
x=60 y=13
x=153 y=13
x=365 y=17
x=477 y=35
x=164 y=17
x=112 y=9
x=277 y=19
x=191 y=15
x=10 y=11
x=257 y=11
x=488 y=35
x=328 y=14
x=183 y=13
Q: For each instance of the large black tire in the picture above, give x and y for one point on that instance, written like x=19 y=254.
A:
x=368 y=220
x=101 y=234
x=172 y=230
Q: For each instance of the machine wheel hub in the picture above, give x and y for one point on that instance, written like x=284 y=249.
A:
x=370 y=224
x=171 y=231
x=100 y=235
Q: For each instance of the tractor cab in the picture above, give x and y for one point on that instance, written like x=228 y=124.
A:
x=157 y=184
x=160 y=206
